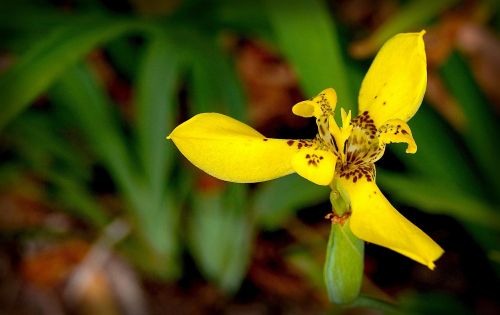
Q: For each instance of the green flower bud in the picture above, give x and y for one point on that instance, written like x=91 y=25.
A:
x=343 y=270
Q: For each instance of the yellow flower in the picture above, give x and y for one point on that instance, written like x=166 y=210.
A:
x=390 y=95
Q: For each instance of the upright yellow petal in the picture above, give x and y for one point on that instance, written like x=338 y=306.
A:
x=396 y=130
x=376 y=221
x=318 y=166
x=395 y=84
x=230 y=150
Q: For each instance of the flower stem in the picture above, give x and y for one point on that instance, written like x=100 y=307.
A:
x=343 y=269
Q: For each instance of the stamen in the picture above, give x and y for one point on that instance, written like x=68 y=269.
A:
x=341 y=135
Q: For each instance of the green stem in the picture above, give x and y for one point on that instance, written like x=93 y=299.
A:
x=343 y=270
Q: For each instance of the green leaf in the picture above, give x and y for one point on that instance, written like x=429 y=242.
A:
x=220 y=236
x=214 y=84
x=77 y=199
x=367 y=302
x=275 y=201
x=38 y=144
x=158 y=250
x=156 y=109
x=441 y=304
x=310 y=43
x=159 y=227
x=157 y=219
x=439 y=197
x=204 y=232
x=438 y=154
x=481 y=132
x=239 y=248
x=55 y=52
x=307 y=263
x=481 y=219
x=78 y=92
x=158 y=214
x=244 y=16
x=32 y=22
x=39 y=134
x=411 y=17
x=124 y=54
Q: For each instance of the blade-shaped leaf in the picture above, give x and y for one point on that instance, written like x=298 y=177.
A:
x=439 y=155
x=481 y=132
x=244 y=17
x=439 y=197
x=157 y=219
x=39 y=67
x=220 y=235
x=78 y=91
x=411 y=17
x=77 y=199
x=311 y=44
x=214 y=84
x=156 y=109
x=58 y=163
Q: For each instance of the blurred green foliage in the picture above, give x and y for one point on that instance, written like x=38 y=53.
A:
x=178 y=66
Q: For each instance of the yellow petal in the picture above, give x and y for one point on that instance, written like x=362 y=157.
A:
x=396 y=130
x=306 y=109
x=230 y=150
x=318 y=166
x=395 y=83
x=376 y=221
x=322 y=104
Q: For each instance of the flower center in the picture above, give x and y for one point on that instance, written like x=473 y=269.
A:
x=363 y=145
x=356 y=145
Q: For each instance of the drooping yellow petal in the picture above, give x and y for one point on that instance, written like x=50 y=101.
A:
x=396 y=81
x=396 y=130
x=230 y=150
x=321 y=105
x=318 y=166
x=375 y=220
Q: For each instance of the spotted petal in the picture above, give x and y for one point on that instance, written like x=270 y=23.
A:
x=395 y=84
x=322 y=104
x=376 y=221
x=230 y=150
x=396 y=130
x=318 y=166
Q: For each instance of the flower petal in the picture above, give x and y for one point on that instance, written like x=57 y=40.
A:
x=376 y=221
x=321 y=105
x=395 y=83
x=396 y=130
x=230 y=150
x=318 y=166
